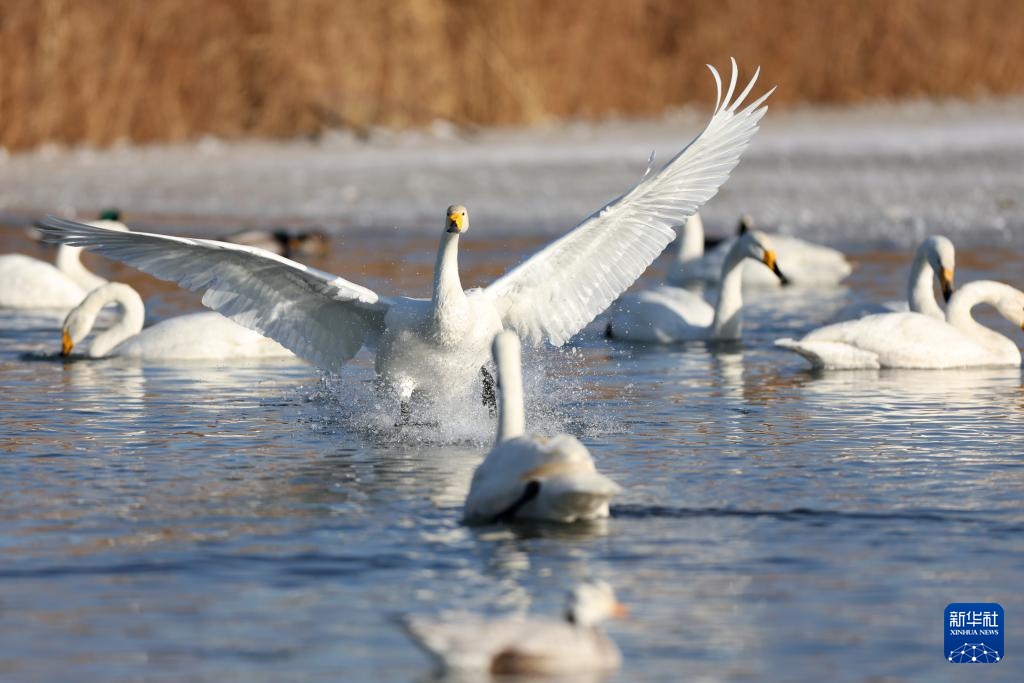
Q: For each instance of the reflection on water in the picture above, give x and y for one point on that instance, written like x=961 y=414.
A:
x=259 y=522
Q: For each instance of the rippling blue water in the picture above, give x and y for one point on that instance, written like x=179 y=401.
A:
x=257 y=523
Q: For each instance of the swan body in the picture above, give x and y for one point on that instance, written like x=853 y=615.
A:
x=429 y=347
x=29 y=283
x=522 y=645
x=934 y=261
x=532 y=477
x=194 y=336
x=670 y=314
x=806 y=263
x=917 y=340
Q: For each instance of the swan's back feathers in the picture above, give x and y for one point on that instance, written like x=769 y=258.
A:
x=556 y=292
x=321 y=318
x=199 y=336
x=828 y=355
x=896 y=340
x=571 y=488
x=463 y=642
x=31 y=283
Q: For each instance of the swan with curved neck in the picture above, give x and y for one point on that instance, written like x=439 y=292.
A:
x=436 y=348
x=806 y=263
x=669 y=314
x=530 y=646
x=193 y=336
x=916 y=340
x=532 y=477
x=934 y=262
x=30 y=283
x=935 y=259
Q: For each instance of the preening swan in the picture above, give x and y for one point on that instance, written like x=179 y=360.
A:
x=669 y=314
x=532 y=477
x=433 y=346
x=193 y=336
x=934 y=260
x=806 y=263
x=916 y=340
x=524 y=645
x=30 y=283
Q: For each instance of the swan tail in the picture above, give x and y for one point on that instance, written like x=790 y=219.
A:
x=452 y=647
x=828 y=355
x=582 y=496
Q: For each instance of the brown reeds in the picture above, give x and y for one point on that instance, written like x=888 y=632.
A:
x=99 y=71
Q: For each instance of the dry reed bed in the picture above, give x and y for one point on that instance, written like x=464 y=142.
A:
x=98 y=71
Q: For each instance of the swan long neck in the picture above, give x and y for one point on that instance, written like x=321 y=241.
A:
x=447 y=285
x=69 y=262
x=958 y=313
x=129 y=323
x=728 y=320
x=691 y=243
x=507 y=356
x=920 y=290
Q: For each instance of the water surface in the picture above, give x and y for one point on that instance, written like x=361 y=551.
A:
x=257 y=522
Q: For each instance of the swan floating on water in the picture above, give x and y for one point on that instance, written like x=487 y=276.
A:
x=193 y=336
x=934 y=260
x=431 y=346
x=521 y=645
x=670 y=314
x=917 y=340
x=29 y=283
x=806 y=263
x=532 y=477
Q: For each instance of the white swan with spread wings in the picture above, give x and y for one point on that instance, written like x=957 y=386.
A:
x=432 y=346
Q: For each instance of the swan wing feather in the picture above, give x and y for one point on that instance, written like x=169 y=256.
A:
x=556 y=292
x=321 y=318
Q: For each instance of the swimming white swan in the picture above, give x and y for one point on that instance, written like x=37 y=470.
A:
x=193 y=336
x=532 y=477
x=521 y=645
x=934 y=260
x=916 y=340
x=806 y=263
x=31 y=283
x=669 y=314
x=435 y=345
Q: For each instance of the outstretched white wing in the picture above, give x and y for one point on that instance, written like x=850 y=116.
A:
x=321 y=318
x=552 y=295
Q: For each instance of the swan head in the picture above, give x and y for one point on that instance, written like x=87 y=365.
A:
x=457 y=220
x=942 y=258
x=1011 y=306
x=590 y=603
x=76 y=327
x=756 y=245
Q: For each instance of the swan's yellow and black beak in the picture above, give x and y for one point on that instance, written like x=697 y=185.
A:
x=456 y=221
x=946 y=281
x=619 y=611
x=65 y=343
x=769 y=260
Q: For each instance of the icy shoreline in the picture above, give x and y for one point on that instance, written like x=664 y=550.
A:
x=881 y=174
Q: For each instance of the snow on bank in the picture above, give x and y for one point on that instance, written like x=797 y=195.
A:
x=881 y=174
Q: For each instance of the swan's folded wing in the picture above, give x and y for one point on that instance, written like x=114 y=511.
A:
x=556 y=292
x=321 y=318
